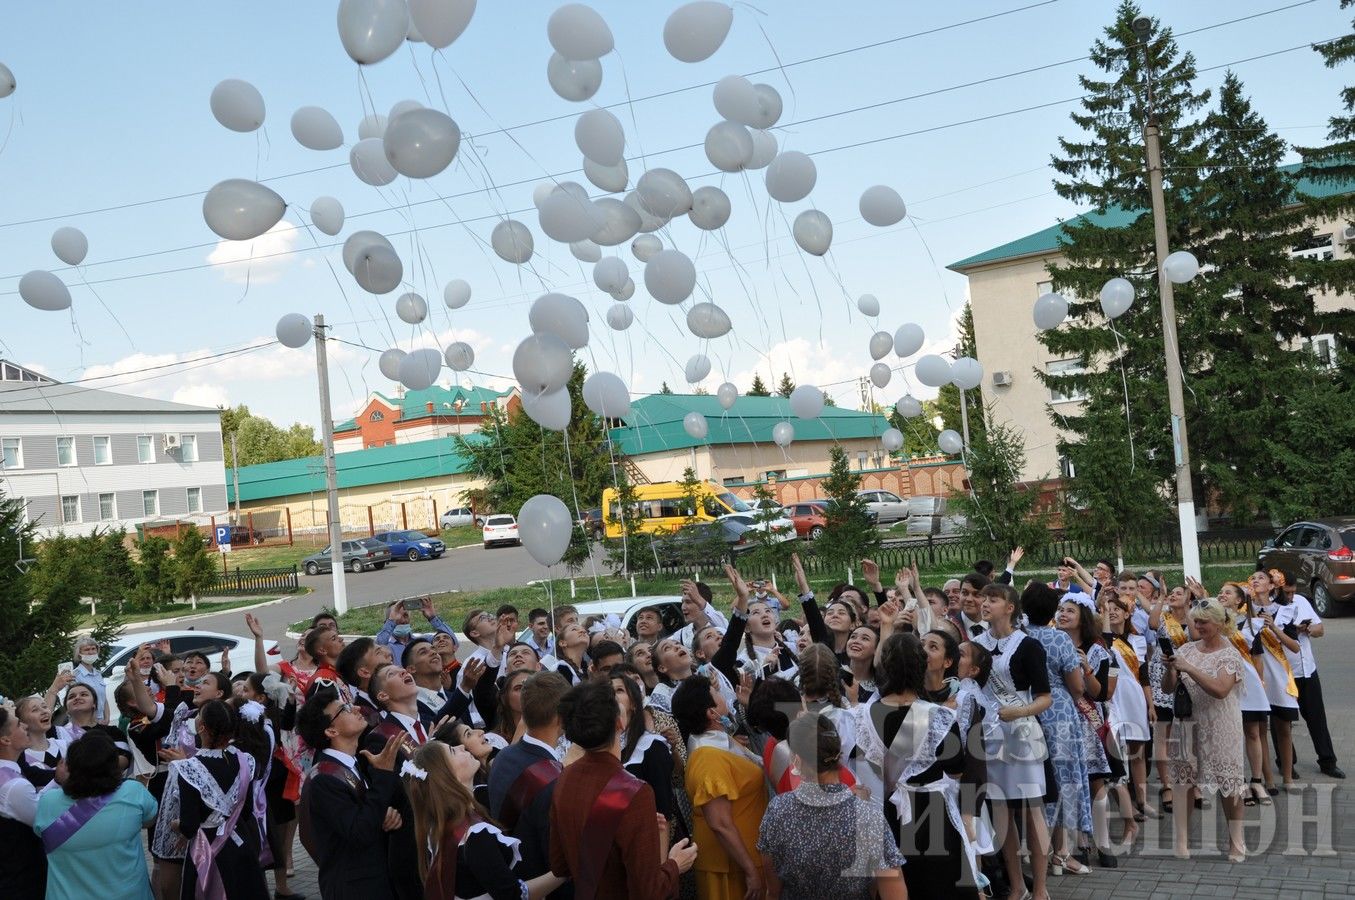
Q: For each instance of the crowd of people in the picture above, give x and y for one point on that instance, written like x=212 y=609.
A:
x=964 y=740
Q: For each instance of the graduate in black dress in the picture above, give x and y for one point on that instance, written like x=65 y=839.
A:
x=644 y=753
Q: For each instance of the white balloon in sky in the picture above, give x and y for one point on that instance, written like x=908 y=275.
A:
x=966 y=373
x=585 y=251
x=294 y=330
x=600 y=137
x=869 y=305
x=439 y=22
x=698 y=367
x=645 y=246
x=806 y=401
x=892 y=439
x=7 y=83
x=41 y=289
x=411 y=308
x=389 y=363
x=791 y=176
x=626 y=291
x=768 y=106
x=694 y=31
x=566 y=218
x=1050 y=311
x=327 y=215
x=240 y=210
x=237 y=105
x=358 y=243
x=574 y=79
x=420 y=368
x=664 y=193
x=648 y=221
x=783 y=433
x=695 y=425
x=371 y=30
x=421 y=143
x=708 y=321
x=1180 y=266
x=764 y=149
x=549 y=410
x=736 y=99
x=611 y=274
x=607 y=395
x=378 y=269
x=561 y=315
x=727 y=394
x=372 y=125
x=459 y=355
x=612 y=179
x=315 y=129
x=813 y=231
x=932 y=370
x=881 y=342
x=908 y=339
x=729 y=146
x=620 y=221
x=542 y=363
x=70 y=245
x=369 y=163
x=909 y=406
x=880 y=373
x=670 y=276
x=456 y=294
x=881 y=205
x=619 y=316
x=950 y=441
x=1117 y=295
x=512 y=241
x=578 y=32
x=710 y=208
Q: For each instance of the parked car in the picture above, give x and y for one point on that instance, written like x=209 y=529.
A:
x=592 y=524
x=809 y=519
x=825 y=503
x=887 y=506
x=782 y=528
x=1318 y=558
x=358 y=556
x=462 y=515
x=411 y=545
x=180 y=642
x=626 y=608
x=703 y=537
x=500 y=529
x=243 y=534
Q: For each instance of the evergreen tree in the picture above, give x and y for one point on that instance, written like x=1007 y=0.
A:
x=665 y=389
x=154 y=587
x=1315 y=447
x=1000 y=512
x=758 y=389
x=947 y=403
x=194 y=569
x=786 y=387
x=769 y=553
x=849 y=533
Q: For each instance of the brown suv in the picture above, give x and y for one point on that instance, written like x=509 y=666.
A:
x=1318 y=557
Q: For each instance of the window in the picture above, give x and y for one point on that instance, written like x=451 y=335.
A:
x=145 y=450
x=188 y=448
x=1317 y=246
x=1062 y=392
x=1066 y=467
x=150 y=503
x=861 y=457
x=103 y=453
x=12 y=453
x=195 y=500
x=1323 y=347
x=376 y=416
x=1042 y=288
x=70 y=509
x=107 y=508
x=65 y=451
x=732 y=480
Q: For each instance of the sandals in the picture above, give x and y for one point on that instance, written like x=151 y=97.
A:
x=1061 y=863
x=1256 y=794
x=1163 y=803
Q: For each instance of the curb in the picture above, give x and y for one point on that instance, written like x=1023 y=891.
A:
x=156 y=623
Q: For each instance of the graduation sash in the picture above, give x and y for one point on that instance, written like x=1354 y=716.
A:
x=1127 y=655
x=533 y=780
x=72 y=820
x=1174 y=629
x=599 y=830
x=203 y=851
x=441 y=881
x=1276 y=649
x=334 y=769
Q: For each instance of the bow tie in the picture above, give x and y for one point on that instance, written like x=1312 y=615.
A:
x=976 y=630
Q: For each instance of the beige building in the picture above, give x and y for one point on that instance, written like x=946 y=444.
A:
x=1004 y=283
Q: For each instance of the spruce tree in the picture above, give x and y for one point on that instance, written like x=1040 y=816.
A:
x=948 y=398
x=849 y=534
x=758 y=389
x=786 y=387
x=665 y=389
x=1000 y=512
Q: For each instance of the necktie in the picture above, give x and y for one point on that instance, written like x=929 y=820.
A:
x=976 y=630
x=420 y=735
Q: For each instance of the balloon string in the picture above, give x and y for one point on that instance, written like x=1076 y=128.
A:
x=578 y=516
x=630 y=107
x=1124 y=383
x=79 y=270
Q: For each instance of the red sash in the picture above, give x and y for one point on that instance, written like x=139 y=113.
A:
x=599 y=830
x=334 y=769
x=533 y=780
x=441 y=881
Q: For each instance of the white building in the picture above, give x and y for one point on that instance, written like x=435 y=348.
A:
x=81 y=459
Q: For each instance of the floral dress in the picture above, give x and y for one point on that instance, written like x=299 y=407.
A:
x=1209 y=752
x=1065 y=734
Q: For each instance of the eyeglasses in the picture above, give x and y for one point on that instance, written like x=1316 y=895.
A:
x=343 y=708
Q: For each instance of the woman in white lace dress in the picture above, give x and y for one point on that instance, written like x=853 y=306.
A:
x=1209 y=753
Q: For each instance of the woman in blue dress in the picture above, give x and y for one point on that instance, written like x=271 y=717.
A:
x=1071 y=814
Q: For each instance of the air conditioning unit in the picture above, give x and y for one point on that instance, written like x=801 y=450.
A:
x=171 y=442
x=1002 y=379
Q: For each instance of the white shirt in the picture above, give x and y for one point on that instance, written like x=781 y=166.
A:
x=1303 y=664
x=528 y=739
x=349 y=762
x=407 y=723
x=18 y=797
x=714 y=617
x=967 y=624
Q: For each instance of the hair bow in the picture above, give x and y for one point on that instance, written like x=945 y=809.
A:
x=252 y=711
x=1081 y=598
x=413 y=771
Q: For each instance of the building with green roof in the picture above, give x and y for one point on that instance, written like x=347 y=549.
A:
x=409 y=416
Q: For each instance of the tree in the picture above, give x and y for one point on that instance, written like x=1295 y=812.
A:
x=919 y=435
x=705 y=546
x=194 y=570
x=849 y=533
x=260 y=441
x=758 y=389
x=786 y=387
x=1314 y=461
x=947 y=403
x=154 y=587
x=633 y=549
x=1000 y=512
x=769 y=552
x=665 y=389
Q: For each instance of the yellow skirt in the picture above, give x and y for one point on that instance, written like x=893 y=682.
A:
x=721 y=885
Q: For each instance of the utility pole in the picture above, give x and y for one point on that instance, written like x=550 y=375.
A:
x=336 y=565
x=235 y=477
x=1185 y=496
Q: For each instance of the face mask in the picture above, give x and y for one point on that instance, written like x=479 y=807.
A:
x=728 y=722
x=761 y=594
x=89 y=659
x=145 y=670
x=194 y=682
x=403 y=631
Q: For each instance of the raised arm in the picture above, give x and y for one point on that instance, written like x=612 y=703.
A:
x=260 y=655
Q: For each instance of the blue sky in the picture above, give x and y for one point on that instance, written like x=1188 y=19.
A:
x=112 y=111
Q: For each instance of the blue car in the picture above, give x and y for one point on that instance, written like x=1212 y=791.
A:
x=411 y=545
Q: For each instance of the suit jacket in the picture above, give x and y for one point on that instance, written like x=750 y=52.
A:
x=533 y=824
x=400 y=845
x=344 y=819
x=632 y=869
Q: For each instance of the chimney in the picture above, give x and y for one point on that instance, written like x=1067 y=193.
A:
x=484 y=407
x=429 y=407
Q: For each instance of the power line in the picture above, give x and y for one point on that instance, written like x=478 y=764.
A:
x=186 y=364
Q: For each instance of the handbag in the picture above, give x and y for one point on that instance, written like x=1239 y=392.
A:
x=1182 y=705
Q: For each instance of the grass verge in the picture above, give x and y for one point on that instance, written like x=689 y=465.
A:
x=205 y=608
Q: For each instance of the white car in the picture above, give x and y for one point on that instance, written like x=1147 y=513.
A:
x=500 y=529
x=627 y=608
x=782 y=528
x=212 y=643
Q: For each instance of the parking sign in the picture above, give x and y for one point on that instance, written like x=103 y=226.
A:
x=223 y=538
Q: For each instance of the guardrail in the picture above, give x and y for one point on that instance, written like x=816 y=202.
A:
x=255 y=581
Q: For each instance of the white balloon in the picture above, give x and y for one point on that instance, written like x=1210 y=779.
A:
x=710 y=208
x=966 y=373
x=237 y=105
x=611 y=274
x=813 y=231
x=648 y=221
x=372 y=126
x=791 y=176
x=869 y=306
x=578 y=32
x=41 y=289
x=736 y=99
x=806 y=401
x=695 y=425
x=880 y=373
x=892 y=440
x=768 y=106
x=70 y=245
x=574 y=189
x=456 y=294
x=585 y=251
x=932 y=370
x=411 y=308
x=240 y=210
x=459 y=356
x=421 y=143
x=626 y=292
x=663 y=193
x=1117 y=295
x=358 y=243
x=600 y=137
x=369 y=163
x=881 y=342
x=619 y=316
x=727 y=394
x=1181 y=266
x=694 y=31
x=420 y=368
x=294 y=330
x=783 y=433
x=566 y=218
x=439 y=22
x=545 y=524
x=611 y=179
x=560 y=315
x=327 y=215
x=950 y=442
x=606 y=394
x=645 y=246
x=698 y=367
x=729 y=146
x=378 y=269
x=909 y=406
x=1050 y=311
x=7 y=83
x=412 y=35
x=512 y=241
x=372 y=30
x=764 y=149
x=908 y=340
x=315 y=129
x=708 y=321
x=550 y=410
x=670 y=276
x=574 y=79
x=620 y=222
x=881 y=205
x=400 y=107
x=542 y=363
x=389 y=363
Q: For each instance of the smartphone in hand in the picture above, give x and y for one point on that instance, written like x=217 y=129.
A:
x=65 y=667
x=1165 y=642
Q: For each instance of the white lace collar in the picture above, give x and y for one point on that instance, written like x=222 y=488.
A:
x=647 y=740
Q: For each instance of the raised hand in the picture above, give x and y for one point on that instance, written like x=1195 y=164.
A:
x=1195 y=588
x=471 y=672
x=1015 y=557
x=386 y=759
x=801 y=582
x=870 y=571
x=740 y=587
x=426 y=607
x=253 y=625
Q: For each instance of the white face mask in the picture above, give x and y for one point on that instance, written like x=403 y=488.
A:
x=89 y=659
x=145 y=670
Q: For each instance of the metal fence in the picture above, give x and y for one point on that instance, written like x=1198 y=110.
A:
x=281 y=580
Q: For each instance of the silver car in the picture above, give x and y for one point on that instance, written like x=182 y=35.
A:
x=886 y=505
x=358 y=556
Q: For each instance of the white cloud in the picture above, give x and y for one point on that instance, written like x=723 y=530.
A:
x=202 y=395
x=258 y=261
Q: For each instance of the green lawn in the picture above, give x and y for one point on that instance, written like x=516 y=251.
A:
x=280 y=556
x=205 y=607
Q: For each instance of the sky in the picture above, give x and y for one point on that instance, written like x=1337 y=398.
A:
x=110 y=131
